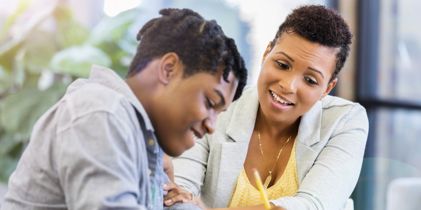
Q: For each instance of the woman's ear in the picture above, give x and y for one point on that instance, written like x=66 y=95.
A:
x=268 y=49
x=330 y=87
x=170 y=66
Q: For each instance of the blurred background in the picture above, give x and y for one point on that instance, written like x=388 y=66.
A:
x=46 y=44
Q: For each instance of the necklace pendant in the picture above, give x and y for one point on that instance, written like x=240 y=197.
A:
x=267 y=181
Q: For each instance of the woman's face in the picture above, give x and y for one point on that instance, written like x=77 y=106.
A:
x=295 y=74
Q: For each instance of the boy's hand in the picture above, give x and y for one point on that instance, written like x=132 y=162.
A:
x=168 y=167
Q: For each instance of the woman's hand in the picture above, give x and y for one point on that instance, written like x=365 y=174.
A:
x=259 y=207
x=176 y=194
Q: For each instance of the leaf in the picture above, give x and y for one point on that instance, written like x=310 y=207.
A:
x=7 y=143
x=19 y=111
x=111 y=30
x=21 y=8
x=111 y=36
x=4 y=80
x=69 y=31
x=13 y=56
x=19 y=68
x=7 y=58
x=77 y=61
x=7 y=166
x=128 y=44
x=15 y=109
x=39 y=51
x=23 y=27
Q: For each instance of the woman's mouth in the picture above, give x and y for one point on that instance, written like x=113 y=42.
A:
x=279 y=101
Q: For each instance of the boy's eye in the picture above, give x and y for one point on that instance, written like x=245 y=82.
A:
x=311 y=80
x=282 y=65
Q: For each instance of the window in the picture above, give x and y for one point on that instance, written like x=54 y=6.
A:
x=389 y=58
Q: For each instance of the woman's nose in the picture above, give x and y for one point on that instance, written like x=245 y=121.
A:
x=288 y=84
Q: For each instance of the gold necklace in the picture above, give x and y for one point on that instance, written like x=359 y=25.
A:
x=269 y=177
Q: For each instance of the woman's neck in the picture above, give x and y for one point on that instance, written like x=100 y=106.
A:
x=276 y=130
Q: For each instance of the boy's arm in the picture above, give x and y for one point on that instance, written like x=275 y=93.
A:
x=169 y=167
x=98 y=165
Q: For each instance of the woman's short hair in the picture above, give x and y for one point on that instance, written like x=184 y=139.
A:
x=321 y=25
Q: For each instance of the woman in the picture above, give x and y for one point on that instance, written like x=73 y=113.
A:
x=307 y=146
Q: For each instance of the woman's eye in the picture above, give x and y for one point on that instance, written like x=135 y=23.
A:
x=311 y=80
x=209 y=103
x=282 y=65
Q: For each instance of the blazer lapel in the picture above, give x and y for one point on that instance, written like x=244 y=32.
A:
x=241 y=125
x=234 y=149
x=233 y=155
x=308 y=136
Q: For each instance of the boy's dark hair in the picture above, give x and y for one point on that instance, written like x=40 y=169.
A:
x=235 y=63
x=319 y=24
x=201 y=45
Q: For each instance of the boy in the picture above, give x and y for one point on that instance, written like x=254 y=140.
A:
x=101 y=145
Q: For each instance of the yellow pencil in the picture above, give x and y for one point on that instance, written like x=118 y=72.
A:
x=262 y=190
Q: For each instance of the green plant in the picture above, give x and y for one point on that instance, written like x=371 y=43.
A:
x=40 y=56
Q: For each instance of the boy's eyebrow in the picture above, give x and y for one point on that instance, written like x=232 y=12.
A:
x=222 y=101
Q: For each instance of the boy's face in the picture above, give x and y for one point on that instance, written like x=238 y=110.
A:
x=187 y=108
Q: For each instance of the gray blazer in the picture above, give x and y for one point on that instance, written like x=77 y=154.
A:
x=329 y=153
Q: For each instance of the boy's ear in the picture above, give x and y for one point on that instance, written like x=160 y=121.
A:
x=170 y=66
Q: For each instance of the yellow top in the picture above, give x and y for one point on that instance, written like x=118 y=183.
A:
x=246 y=194
x=262 y=190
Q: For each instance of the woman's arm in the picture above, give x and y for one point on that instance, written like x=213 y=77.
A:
x=189 y=173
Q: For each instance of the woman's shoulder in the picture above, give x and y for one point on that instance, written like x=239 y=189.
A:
x=331 y=101
x=334 y=107
x=334 y=102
